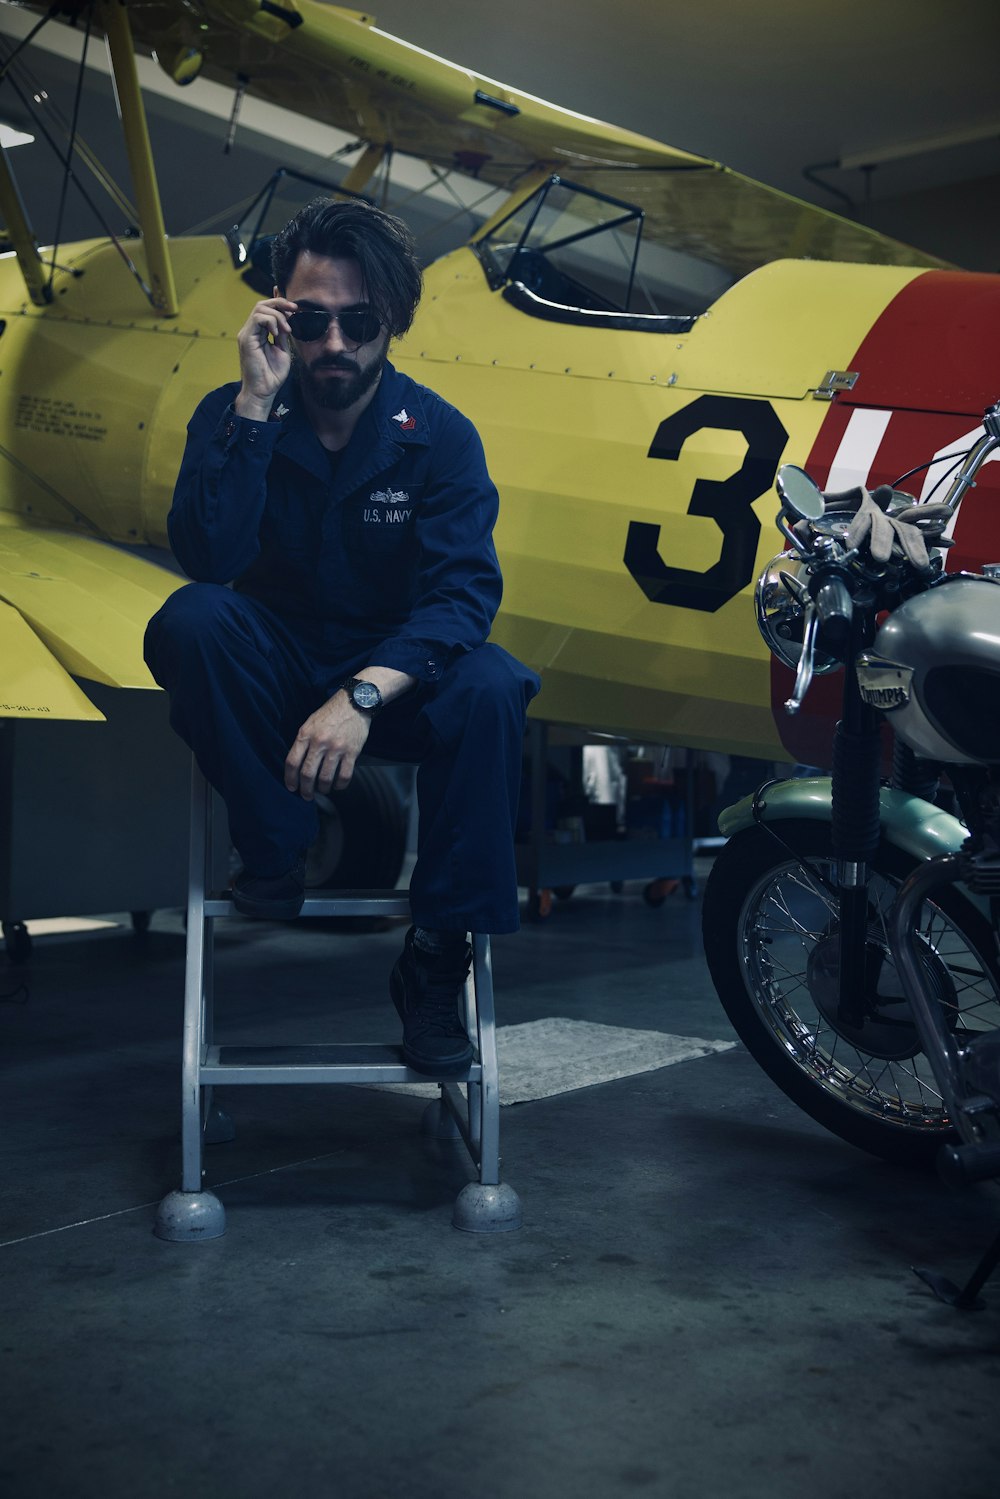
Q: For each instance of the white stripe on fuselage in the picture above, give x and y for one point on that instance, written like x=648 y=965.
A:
x=854 y=458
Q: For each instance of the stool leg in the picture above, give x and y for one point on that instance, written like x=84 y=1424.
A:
x=193 y=1213
x=489 y=1104
x=488 y=1206
x=474 y=1091
x=439 y=1122
x=216 y=1126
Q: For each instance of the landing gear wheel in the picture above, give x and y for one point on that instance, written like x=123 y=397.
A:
x=770 y=927
x=17 y=940
x=140 y=922
x=362 y=836
x=563 y=892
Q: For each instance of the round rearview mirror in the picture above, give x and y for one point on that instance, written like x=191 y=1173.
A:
x=799 y=494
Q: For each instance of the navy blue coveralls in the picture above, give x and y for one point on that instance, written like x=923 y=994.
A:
x=381 y=555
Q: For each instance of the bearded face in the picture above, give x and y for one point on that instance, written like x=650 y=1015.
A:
x=336 y=380
x=332 y=371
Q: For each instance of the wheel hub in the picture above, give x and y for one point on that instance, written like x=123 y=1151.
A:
x=887 y=1031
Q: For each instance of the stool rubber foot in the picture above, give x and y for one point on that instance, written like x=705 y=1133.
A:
x=439 y=1122
x=487 y=1210
x=188 y=1217
x=219 y=1128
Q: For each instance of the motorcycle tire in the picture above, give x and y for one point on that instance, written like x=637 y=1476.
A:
x=770 y=928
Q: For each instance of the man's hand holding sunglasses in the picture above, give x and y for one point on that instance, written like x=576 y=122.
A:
x=265 y=357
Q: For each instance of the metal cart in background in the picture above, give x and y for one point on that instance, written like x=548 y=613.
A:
x=594 y=848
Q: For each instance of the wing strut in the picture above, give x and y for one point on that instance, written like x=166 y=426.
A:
x=21 y=237
x=365 y=168
x=140 y=155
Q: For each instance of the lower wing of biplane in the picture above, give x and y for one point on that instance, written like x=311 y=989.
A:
x=70 y=607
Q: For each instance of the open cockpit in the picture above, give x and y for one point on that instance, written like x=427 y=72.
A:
x=570 y=254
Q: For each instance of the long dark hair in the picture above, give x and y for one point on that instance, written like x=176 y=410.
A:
x=381 y=244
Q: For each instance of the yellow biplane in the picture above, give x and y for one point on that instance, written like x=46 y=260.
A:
x=641 y=336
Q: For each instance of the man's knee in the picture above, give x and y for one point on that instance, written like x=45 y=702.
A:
x=493 y=675
x=484 y=685
x=190 y=620
x=192 y=610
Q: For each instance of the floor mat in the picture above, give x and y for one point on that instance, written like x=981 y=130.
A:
x=546 y=1057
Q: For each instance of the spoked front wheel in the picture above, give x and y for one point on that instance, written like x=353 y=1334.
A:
x=771 y=939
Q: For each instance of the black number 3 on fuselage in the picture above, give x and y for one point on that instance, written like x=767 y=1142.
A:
x=726 y=501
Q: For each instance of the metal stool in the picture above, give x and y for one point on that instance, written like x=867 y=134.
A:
x=193 y=1213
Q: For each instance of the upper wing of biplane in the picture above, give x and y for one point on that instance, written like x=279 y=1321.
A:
x=336 y=66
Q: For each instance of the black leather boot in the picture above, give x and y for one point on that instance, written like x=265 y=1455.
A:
x=426 y=989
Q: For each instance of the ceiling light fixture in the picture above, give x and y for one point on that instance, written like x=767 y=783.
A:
x=11 y=137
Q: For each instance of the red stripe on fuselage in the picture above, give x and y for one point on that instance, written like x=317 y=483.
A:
x=934 y=348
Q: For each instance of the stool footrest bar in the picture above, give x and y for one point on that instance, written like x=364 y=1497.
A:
x=356 y=1062
x=330 y=903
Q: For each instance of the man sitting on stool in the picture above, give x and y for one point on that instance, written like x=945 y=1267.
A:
x=352 y=511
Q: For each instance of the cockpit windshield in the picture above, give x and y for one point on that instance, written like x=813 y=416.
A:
x=579 y=248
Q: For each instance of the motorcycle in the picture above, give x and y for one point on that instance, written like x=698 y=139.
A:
x=851 y=925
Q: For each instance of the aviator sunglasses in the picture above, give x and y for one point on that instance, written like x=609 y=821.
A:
x=311 y=323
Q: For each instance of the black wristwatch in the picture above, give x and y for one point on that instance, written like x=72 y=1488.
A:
x=364 y=695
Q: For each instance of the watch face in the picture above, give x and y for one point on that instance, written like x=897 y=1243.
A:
x=366 y=695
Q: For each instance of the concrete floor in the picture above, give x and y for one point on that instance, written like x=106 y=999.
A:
x=710 y=1295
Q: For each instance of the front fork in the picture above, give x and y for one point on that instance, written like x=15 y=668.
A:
x=857 y=753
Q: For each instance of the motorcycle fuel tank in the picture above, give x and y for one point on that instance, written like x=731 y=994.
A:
x=934 y=670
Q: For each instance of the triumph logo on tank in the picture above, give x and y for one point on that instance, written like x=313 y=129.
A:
x=388 y=507
x=883 y=684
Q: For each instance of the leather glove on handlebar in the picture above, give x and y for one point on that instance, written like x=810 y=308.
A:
x=871 y=523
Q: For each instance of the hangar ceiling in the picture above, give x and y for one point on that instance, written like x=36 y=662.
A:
x=893 y=105
x=767 y=86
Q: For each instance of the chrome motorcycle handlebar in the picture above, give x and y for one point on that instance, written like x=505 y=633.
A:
x=977 y=456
